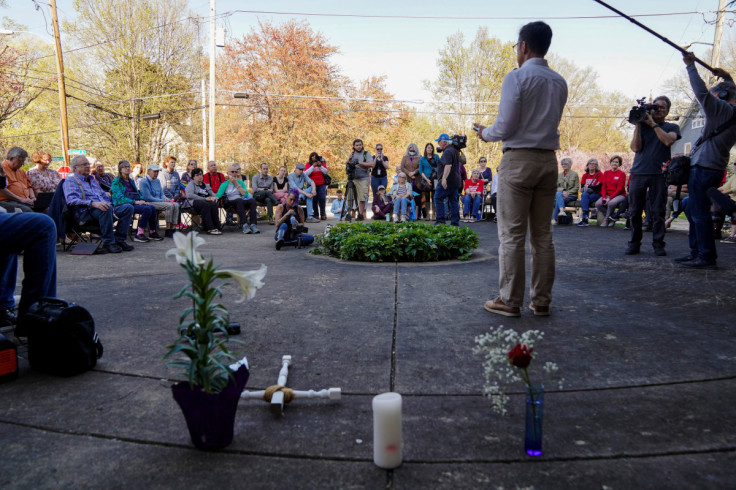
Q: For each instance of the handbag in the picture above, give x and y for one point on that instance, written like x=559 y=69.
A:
x=328 y=179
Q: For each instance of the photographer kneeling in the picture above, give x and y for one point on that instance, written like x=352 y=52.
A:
x=290 y=223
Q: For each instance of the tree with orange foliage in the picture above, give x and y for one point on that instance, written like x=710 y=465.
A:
x=299 y=101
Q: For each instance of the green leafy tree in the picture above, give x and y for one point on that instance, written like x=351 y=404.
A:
x=593 y=120
x=146 y=69
x=468 y=87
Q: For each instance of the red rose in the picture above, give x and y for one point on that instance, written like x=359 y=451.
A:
x=520 y=356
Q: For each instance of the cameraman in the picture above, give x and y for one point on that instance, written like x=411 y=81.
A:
x=709 y=159
x=363 y=164
x=290 y=223
x=651 y=144
x=448 y=172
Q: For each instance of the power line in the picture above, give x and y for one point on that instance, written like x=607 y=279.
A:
x=206 y=19
x=435 y=17
x=160 y=26
x=163 y=113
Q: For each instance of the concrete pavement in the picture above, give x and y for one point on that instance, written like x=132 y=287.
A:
x=647 y=350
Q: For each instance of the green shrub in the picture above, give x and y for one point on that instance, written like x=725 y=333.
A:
x=381 y=241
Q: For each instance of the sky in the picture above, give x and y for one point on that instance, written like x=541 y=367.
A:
x=405 y=49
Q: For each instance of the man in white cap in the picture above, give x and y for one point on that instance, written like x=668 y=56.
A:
x=153 y=193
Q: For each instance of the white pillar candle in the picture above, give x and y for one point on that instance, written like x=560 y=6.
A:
x=387 y=440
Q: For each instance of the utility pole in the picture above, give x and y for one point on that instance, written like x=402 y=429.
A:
x=62 y=85
x=716 y=53
x=204 y=124
x=137 y=122
x=213 y=54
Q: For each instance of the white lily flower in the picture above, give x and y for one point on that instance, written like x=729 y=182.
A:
x=186 y=248
x=248 y=281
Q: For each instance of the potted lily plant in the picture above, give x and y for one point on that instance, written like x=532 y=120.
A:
x=214 y=377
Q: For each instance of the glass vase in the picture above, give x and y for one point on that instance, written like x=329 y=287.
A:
x=534 y=416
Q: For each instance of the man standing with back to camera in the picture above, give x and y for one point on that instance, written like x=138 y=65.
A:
x=651 y=144
x=532 y=100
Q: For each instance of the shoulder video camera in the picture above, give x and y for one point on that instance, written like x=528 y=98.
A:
x=639 y=112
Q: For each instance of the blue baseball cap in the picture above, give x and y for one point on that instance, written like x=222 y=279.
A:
x=443 y=137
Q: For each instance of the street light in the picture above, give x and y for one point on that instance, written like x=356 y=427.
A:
x=688 y=45
x=8 y=32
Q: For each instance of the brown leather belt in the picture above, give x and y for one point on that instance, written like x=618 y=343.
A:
x=536 y=150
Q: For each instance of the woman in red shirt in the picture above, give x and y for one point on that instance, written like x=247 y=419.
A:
x=613 y=192
x=590 y=189
x=473 y=195
x=316 y=169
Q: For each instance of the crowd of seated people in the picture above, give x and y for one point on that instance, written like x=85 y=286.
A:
x=153 y=192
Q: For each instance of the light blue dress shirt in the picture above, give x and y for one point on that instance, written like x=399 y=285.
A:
x=532 y=100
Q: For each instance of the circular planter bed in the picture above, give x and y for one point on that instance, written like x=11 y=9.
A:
x=381 y=241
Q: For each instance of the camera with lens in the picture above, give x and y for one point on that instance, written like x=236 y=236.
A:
x=350 y=168
x=639 y=112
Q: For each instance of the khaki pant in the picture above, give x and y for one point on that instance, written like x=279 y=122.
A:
x=170 y=209
x=526 y=192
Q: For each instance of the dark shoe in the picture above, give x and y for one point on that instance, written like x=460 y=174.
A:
x=271 y=221
x=323 y=218
x=539 y=310
x=141 y=238
x=632 y=250
x=125 y=246
x=110 y=248
x=699 y=264
x=684 y=258
x=660 y=252
x=155 y=236
x=360 y=217
x=498 y=307
x=583 y=222
x=169 y=234
x=7 y=317
x=279 y=244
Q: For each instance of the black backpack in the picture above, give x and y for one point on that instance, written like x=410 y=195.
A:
x=677 y=171
x=61 y=337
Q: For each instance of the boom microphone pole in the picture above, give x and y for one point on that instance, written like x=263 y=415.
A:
x=683 y=51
